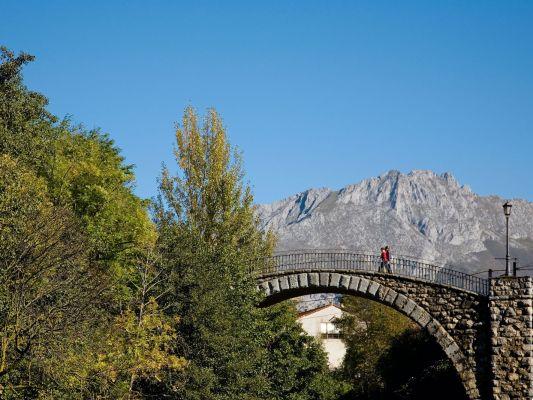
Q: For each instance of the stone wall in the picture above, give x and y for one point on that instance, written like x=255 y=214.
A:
x=511 y=314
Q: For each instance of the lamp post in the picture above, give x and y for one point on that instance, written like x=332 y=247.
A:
x=507 y=212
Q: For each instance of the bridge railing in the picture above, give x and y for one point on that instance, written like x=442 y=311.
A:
x=349 y=261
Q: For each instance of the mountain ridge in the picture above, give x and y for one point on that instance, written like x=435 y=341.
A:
x=419 y=214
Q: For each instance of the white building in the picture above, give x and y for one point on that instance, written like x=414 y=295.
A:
x=319 y=323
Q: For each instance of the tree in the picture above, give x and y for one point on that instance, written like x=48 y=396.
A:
x=89 y=176
x=134 y=351
x=47 y=283
x=369 y=329
x=389 y=357
x=210 y=240
x=414 y=365
x=208 y=237
x=72 y=233
x=297 y=363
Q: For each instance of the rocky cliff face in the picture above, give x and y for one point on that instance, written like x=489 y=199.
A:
x=421 y=215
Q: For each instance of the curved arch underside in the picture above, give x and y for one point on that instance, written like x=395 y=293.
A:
x=396 y=293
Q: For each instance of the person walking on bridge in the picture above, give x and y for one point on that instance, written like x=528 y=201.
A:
x=387 y=260
x=382 y=255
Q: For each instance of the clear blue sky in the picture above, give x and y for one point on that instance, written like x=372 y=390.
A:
x=314 y=93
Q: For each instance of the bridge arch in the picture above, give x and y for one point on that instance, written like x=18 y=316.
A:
x=293 y=285
x=484 y=326
x=453 y=316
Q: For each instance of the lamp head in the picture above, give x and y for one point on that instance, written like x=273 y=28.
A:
x=507 y=209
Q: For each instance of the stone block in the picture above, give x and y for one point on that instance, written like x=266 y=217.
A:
x=274 y=286
x=409 y=307
x=453 y=352
x=459 y=366
x=400 y=301
x=373 y=288
x=416 y=313
x=432 y=326
x=382 y=292
x=363 y=285
x=293 y=281
x=265 y=288
x=335 y=280
x=284 y=283
x=354 y=283
x=442 y=337
x=324 y=279
x=302 y=280
x=313 y=279
x=345 y=282
x=390 y=296
x=424 y=319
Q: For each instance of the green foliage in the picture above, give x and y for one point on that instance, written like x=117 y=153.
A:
x=27 y=129
x=389 y=357
x=369 y=329
x=209 y=239
x=414 y=365
x=47 y=283
x=89 y=175
x=72 y=232
x=297 y=363
x=82 y=169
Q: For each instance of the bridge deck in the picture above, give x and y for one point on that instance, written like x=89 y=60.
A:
x=341 y=261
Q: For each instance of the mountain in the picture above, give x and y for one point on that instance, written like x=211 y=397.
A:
x=421 y=215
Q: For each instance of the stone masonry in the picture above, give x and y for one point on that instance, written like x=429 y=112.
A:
x=488 y=340
x=511 y=315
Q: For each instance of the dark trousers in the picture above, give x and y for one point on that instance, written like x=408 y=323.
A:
x=385 y=267
x=388 y=267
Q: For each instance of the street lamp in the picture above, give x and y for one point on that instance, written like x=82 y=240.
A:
x=507 y=212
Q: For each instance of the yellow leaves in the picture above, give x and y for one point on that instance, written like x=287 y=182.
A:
x=105 y=368
x=208 y=195
x=20 y=188
x=134 y=346
x=141 y=345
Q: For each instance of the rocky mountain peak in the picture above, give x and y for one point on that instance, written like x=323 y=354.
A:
x=421 y=214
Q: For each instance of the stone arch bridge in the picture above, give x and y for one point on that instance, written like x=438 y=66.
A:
x=483 y=325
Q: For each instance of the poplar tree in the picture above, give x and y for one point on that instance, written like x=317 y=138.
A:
x=209 y=237
x=210 y=240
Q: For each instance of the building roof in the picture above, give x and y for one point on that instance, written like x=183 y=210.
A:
x=308 y=312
